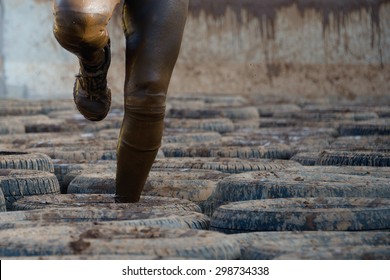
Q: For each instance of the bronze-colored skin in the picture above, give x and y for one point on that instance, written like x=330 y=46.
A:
x=153 y=31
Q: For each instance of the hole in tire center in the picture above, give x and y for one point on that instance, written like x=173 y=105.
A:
x=10 y=153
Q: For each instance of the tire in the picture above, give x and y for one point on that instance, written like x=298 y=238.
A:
x=240 y=113
x=336 y=108
x=179 y=105
x=109 y=238
x=24 y=160
x=76 y=122
x=246 y=125
x=378 y=143
x=3 y=206
x=93 y=183
x=270 y=152
x=66 y=172
x=71 y=115
x=306 y=158
x=297 y=182
x=271 y=245
x=226 y=165
x=45 y=126
x=68 y=142
x=193 y=185
x=271 y=109
x=188 y=113
x=25 y=140
x=211 y=101
x=235 y=113
x=382 y=111
x=29 y=108
x=111 y=122
x=296 y=132
x=247 y=139
x=277 y=122
x=109 y=134
x=11 y=127
x=374 y=127
x=130 y=216
x=311 y=144
x=17 y=108
x=341 y=253
x=316 y=117
x=17 y=183
x=296 y=144
x=56 y=106
x=370 y=171
x=191 y=137
x=220 y=125
x=358 y=158
x=76 y=156
x=289 y=214
x=104 y=201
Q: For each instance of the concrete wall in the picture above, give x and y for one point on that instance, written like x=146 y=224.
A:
x=309 y=48
x=2 y=80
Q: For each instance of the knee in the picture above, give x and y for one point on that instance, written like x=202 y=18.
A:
x=143 y=122
x=145 y=106
x=146 y=89
x=78 y=31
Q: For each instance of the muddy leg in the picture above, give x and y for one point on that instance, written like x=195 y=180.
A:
x=154 y=31
x=80 y=27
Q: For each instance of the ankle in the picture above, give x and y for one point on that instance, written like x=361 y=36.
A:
x=94 y=62
x=91 y=67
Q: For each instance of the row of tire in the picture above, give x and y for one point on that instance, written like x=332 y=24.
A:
x=250 y=198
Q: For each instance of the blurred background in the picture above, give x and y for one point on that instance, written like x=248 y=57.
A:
x=282 y=49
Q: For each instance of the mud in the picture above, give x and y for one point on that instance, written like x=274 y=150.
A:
x=79 y=246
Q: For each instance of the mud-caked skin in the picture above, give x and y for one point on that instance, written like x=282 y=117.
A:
x=153 y=31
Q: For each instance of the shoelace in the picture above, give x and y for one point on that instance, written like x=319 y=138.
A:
x=93 y=83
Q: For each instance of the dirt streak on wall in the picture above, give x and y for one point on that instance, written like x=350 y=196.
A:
x=266 y=10
x=255 y=47
x=337 y=48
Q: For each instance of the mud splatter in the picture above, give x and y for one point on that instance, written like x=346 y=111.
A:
x=273 y=70
x=79 y=246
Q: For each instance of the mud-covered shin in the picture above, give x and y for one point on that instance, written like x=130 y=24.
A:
x=139 y=141
x=154 y=31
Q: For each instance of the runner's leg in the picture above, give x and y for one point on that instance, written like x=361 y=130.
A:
x=81 y=27
x=153 y=30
